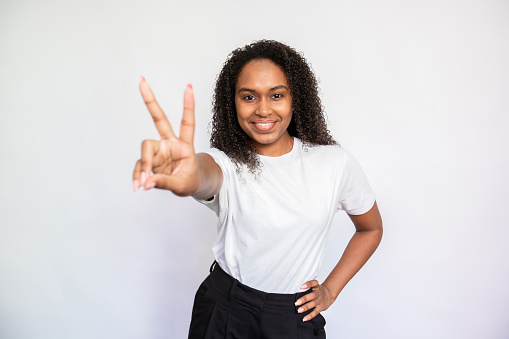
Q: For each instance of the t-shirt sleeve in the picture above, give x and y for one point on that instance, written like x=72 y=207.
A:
x=355 y=195
x=220 y=199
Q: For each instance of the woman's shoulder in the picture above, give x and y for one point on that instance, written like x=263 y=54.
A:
x=328 y=151
x=219 y=156
x=215 y=152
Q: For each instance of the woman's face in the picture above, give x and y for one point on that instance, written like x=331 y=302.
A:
x=264 y=107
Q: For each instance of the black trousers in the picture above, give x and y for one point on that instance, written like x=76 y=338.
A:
x=225 y=308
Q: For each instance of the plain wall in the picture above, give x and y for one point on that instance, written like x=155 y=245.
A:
x=418 y=91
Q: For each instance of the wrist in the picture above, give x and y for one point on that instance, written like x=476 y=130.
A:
x=332 y=292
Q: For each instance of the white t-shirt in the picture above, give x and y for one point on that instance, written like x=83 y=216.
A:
x=272 y=229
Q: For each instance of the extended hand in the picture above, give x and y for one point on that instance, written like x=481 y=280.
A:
x=319 y=298
x=171 y=159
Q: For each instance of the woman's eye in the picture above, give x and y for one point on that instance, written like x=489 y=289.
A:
x=277 y=96
x=249 y=97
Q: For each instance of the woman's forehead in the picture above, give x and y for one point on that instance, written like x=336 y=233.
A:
x=260 y=73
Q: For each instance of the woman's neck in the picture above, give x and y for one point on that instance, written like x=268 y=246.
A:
x=280 y=147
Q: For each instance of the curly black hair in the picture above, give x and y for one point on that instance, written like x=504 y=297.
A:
x=308 y=120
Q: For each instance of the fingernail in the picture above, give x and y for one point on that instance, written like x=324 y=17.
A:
x=305 y=319
x=142 y=78
x=300 y=310
x=298 y=302
x=143 y=177
x=189 y=86
x=136 y=183
x=150 y=185
x=304 y=286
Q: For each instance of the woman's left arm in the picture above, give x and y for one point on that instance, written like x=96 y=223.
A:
x=368 y=234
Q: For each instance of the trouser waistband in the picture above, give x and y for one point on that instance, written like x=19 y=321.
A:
x=243 y=293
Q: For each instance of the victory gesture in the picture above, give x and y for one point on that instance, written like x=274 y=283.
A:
x=172 y=159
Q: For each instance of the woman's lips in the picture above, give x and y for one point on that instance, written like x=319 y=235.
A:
x=264 y=126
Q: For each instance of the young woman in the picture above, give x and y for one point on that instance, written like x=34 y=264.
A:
x=275 y=177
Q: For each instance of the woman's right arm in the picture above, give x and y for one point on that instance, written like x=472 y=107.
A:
x=172 y=160
x=211 y=177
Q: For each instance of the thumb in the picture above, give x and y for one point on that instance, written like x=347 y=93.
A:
x=167 y=182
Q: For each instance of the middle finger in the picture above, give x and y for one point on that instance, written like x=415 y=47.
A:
x=307 y=306
x=312 y=295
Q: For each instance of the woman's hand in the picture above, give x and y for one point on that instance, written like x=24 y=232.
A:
x=172 y=159
x=320 y=298
x=364 y=242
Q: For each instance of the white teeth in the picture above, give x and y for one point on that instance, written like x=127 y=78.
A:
x=264 y=125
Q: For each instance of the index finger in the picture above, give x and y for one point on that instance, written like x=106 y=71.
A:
x=310 y=284
x=187 y=124
x=161 y=121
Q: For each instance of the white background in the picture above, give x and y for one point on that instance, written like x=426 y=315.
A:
x=418 y=91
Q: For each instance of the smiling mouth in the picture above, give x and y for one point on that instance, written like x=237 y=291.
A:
x=264 y=126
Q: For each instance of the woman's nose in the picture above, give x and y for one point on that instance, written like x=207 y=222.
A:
x=264 y=109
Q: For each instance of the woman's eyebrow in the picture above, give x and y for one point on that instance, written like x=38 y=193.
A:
x=244 y=89
x=278 y=87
